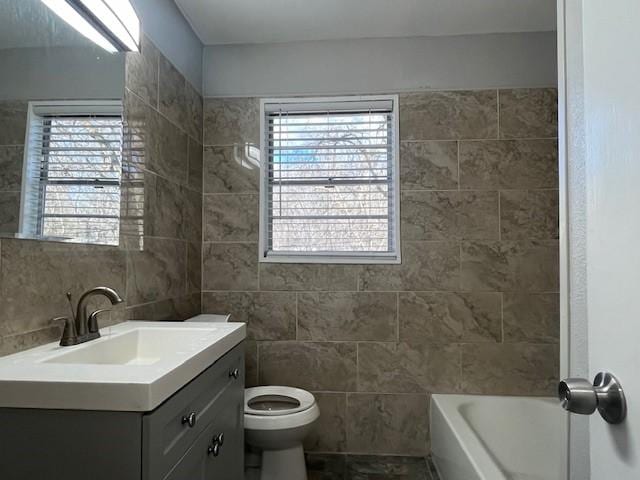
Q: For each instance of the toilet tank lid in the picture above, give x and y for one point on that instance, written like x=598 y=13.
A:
x=207 y=317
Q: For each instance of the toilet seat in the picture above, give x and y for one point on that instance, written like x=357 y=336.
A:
x=274 y=401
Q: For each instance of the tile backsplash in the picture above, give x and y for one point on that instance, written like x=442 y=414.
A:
x=473 y=308
x=157 y=264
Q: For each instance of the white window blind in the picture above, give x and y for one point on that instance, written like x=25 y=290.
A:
x=329 y=189
x=73 y=172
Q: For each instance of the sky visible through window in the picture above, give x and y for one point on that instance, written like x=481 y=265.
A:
x=330 y=187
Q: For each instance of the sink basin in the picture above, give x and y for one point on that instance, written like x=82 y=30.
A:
x=134 y=366
x=142 y=346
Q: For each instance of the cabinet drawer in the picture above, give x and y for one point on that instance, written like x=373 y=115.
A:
x=167 y=432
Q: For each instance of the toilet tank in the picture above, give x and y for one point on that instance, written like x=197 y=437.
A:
x=208 y=317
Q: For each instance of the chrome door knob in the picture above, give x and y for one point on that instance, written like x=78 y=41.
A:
x=578 y=395
x=190 y=419
x=235 y=373
x=214 y=449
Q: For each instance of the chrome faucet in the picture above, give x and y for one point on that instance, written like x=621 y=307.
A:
x=83 y=326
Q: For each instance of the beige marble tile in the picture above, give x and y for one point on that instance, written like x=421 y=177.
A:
x=425 y=266
x=323 y=466
x=250 y=363
x=227 y=171
x=171 y=309
x=171 y=210
x=9 y=211
x=154 y=143
x=532 y=317
x=11 y=162
x=329 y=433
x=510 y=266
x=35 y=276
x=429 y=165
x=300 y=276
x=194 y=267
x=13 y=122
x=449 y=115
x=195 y=114
x=230 y=266
x=529 y=113
x=172 y=94
x=388 y=424
x=321 y=366
x=141 y=72
x=449 y=215
x=268 y=315
x=408 y=367
x=379 y=467
x=510 y=368
x=231 y=121
x=231 y=218
x=347 y=316
x=196 y=154
x=441 y=317
x=509 y=164
x=156 y=270
x=24 y=341
x=529 y=214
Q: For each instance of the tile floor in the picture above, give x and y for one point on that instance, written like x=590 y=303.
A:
x=364 y=467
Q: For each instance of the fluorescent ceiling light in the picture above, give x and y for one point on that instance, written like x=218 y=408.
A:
x=111 y=24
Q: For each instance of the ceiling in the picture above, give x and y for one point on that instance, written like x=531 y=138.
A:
x=29 y=24
x=270 y=21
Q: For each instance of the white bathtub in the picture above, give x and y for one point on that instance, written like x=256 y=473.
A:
x=477 y=437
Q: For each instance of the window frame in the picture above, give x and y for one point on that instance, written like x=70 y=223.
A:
x=37 y=113
x=373 y=258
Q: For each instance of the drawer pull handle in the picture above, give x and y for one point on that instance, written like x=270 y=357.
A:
x=214 y=449
x=219 y=439
x=189 y=419
x=235 y=373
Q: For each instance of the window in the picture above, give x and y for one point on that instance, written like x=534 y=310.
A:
x=329 y=182
x=72 y=172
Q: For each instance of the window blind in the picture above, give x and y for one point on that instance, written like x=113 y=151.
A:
x=330 y=179
x=75 y=164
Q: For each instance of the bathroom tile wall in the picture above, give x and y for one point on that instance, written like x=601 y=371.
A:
x=473 y=308
x=157 y=265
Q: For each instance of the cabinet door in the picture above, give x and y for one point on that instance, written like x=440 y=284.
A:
x=229 y=463
x=193 y=466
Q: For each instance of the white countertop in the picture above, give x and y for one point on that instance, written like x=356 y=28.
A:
x=37 y=378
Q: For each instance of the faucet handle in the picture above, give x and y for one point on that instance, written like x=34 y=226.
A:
x=69 y=334
x=92 y=323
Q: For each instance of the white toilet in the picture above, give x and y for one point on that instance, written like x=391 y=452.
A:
x=276 y=421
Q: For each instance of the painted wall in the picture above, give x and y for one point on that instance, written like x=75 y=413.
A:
x=156 y=267
x=167 y=28
x=472 y=309
x=381 y=65
x=61 y=73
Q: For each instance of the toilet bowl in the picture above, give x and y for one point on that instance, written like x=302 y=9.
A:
x=276 y=420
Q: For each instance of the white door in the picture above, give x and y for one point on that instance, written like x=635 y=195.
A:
x=599 y=60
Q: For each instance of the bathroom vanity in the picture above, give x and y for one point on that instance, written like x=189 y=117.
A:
x=149 y=400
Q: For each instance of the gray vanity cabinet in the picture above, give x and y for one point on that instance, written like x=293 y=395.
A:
x=176 y=441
